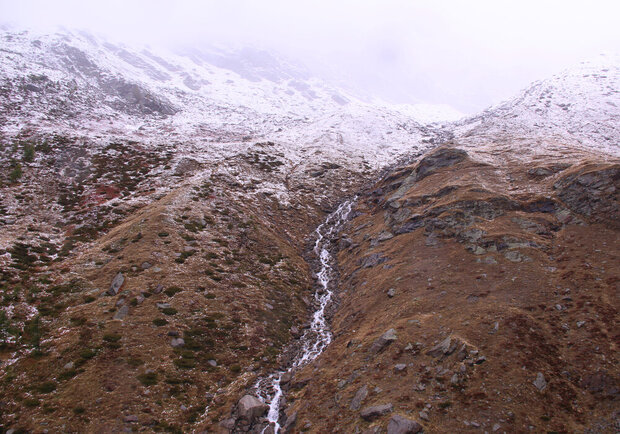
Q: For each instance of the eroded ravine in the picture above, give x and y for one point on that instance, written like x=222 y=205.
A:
x=318 y=336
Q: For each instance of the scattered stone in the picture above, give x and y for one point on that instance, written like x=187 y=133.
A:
x=212 y=363
x=540 y=381
x=183 y=408
x=146 y=265
x=391 y=292
x=383 y=341
x=580 y=324
x=401 y=367
x=158 y=289
x=177 y=342
x=140 y=299
x=69 y=365
x=371 y=413
x=496 y=427
x=359 y=397
x=251 y=408
x=132 y=418
x=116 y=285
x=372 y=260
x=423 y=415
x=444 y=348
x=401 y=425
x=122 y=313
x=163 y=305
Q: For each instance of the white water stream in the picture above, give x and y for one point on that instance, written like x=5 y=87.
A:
x=316 y=338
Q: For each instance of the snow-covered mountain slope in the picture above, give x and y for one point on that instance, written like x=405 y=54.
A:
x=577 y=109
x=76 y=83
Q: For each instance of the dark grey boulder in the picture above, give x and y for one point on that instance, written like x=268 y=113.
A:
x=402 y=425
x=383 y=341
x=376 y=411
x=360 y=396
x=117 y=283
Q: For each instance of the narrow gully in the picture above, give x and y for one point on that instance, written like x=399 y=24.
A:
x=318 y=336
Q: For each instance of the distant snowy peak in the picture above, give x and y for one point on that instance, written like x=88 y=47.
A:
x=580 y=107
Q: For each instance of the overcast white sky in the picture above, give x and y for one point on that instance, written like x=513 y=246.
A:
x=468 y=54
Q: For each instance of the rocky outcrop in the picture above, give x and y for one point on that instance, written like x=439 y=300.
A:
x=592 y=192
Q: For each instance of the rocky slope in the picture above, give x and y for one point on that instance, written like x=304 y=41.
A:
x=157 y=220
x=474 y=297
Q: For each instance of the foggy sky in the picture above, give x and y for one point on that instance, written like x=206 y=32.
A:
x=468 y=54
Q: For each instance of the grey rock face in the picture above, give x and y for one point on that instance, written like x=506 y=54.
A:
x=592 y=193
x=117 y=282
x=372 y=413
x=402 y=425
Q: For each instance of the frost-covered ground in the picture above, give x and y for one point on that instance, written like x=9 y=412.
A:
x=74 y=83
x=578 y=108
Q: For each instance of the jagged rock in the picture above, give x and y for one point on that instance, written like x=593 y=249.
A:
x=359 y=397
x=122 y=312
x=383 y=341
x=402 y=425
x=442 y=157
x=177 y=342
x=540 y=381
x=250 y=408
x=376 y=411
x=444 y=348
x=373 y=260
x=158 y=289
x=592 y=193
x=290 y=422
x=116 y=285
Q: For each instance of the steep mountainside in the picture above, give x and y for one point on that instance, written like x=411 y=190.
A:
x=159 y=272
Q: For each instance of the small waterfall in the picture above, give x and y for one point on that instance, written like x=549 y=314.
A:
x=316 y=338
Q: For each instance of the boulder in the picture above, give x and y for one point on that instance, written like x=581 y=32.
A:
x=122 y=312
x=177 y=342
x=444 y=348
x=540 y=382
x=376 y=411
x=250 y=408
x=383 y=341
x=402 y=425
x=117 y=282
x=360 y=396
